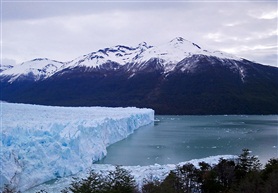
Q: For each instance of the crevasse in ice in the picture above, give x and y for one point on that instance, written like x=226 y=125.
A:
x=40 y=143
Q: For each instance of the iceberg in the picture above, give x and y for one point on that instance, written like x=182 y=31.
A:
x=41 y=143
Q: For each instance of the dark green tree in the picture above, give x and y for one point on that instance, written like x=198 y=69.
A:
x=271 y=185
x=246 y=163
x=251 y=183
x=225 y=171
x=121 y=181
x=172 y=184
x=270 y=167
x=188 y=177
x=151 y=187
x=270 y=176
x=94 y=183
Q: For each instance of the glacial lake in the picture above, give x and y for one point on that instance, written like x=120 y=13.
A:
x=174 y=139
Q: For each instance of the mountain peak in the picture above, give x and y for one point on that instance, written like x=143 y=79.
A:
x=143 y=45
x=179 y=40
x=39 y=59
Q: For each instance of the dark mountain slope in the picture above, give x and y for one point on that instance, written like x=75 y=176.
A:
x=170 y=79
x=210 y=89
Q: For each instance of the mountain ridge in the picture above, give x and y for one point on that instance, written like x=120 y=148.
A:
x=168 y=53
x=179 y=77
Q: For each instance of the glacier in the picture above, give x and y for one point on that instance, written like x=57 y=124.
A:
x=41 y=143
x=141 y=174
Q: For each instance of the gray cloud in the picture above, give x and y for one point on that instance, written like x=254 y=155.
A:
x=20 y=10
x=66 y=30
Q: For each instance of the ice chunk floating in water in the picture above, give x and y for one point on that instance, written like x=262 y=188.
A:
x=40 y=143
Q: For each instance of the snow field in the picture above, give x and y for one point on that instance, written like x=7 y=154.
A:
x=41 y=143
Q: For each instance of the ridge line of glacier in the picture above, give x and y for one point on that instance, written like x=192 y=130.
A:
x=41 y=143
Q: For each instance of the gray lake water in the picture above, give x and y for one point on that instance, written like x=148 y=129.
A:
x=174 y=139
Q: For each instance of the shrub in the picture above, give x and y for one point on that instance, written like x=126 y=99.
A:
x=118 y=181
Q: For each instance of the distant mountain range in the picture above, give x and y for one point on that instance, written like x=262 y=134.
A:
x=178 y=77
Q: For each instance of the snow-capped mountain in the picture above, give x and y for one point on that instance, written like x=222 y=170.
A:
x=37 y=69
x=178 y=77
x=118 y=54
x=168 y=55
x=136 y=59
x=178 y=49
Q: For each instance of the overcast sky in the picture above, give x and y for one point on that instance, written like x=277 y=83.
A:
x=64 y=30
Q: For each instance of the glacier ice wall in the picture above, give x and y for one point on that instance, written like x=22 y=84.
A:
x=40 y=143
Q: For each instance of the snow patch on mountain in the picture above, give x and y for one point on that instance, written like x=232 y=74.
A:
x=118 y=54
x=195 y=62
x=176 y=50
x=40 y=143
x=37 y=69
x=5 y=67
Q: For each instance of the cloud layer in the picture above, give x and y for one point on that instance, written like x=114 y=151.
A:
x=64 y=30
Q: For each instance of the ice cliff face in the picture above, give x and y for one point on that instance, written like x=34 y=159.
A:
x=40 y=143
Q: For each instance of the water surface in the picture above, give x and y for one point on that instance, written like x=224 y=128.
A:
x=173 y=139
